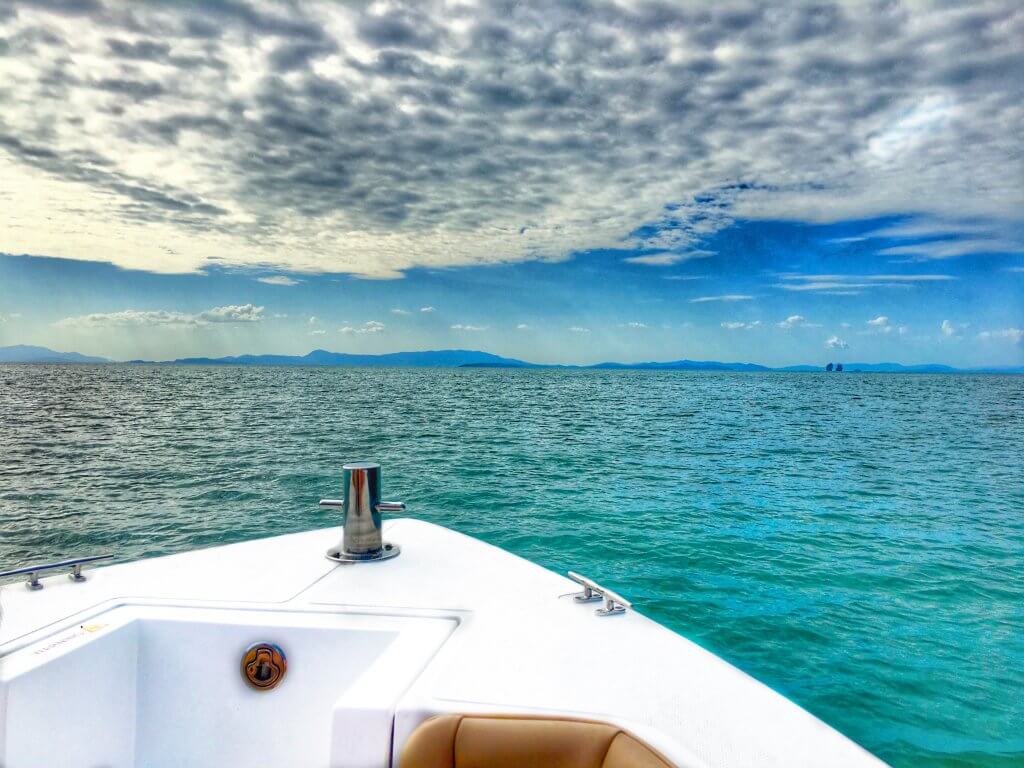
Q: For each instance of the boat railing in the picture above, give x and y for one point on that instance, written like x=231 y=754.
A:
x=614 y=603
x=74 y=566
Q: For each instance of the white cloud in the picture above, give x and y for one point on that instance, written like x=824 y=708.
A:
x=241 y=313
x=370 y=326
x=278 y=280
x=317 y=332
x=792 y=322
x=913 y=129
x=878 y=325
x=634 y=325
x=953 y=330
x=523 y=327
x=313 y=320
x=736 y=325
x=578 y=329
x=834 y=342
x=726 y=297
x=1015 y=269
x=465 y=327
x=427 y=309
x=398 y=311
x=1015 y=335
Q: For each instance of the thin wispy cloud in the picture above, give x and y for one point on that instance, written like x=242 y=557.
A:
x=635 y=326
x=844 y=289
x=920 y=228
x=725 y=297
x=738 y=325
x=578 y=329
x=427 y=309
x=242 y=313
x=668 y=259
x=468 y=327
x=852 y=285
x=398 y=311
x=950 y=249
x=278 y=280
x=1013 y=335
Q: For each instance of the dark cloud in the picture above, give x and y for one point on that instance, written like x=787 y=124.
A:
x=405 y=28
x=431 y=122
x=65 y=7
x=148 y=50
x=135 y=90
x=292 y=56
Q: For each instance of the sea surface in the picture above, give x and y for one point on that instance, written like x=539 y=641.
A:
x=855 y=541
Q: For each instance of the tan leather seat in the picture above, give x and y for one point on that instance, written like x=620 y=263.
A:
x=471 y=741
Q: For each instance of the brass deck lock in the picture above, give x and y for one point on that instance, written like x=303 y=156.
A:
x=264 y=665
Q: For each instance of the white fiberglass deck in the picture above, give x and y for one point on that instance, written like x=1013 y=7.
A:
x=139 y=666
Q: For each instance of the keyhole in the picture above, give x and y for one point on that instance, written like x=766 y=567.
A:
x=263 y=672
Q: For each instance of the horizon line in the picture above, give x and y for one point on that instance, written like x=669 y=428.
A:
x=508 y=361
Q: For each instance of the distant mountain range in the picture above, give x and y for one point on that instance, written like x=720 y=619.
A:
x=467 y=358
x=22 y=353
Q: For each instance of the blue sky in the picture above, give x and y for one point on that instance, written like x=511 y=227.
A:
x=772 y=292
x=594 y=181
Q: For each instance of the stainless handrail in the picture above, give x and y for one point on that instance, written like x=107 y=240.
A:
x=74 y=564
x=613 y=602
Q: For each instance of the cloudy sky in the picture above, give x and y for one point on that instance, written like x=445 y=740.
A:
x=562 y=182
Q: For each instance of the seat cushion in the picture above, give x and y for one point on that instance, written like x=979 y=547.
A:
x=472 y=741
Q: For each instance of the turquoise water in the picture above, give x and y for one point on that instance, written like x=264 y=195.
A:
x=854 y=541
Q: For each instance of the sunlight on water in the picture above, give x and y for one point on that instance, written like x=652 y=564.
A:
x=854 y=541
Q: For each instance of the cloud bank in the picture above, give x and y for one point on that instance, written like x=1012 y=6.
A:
x=243 y=313
x=372 y=138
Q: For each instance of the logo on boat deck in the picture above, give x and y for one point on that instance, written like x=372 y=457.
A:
x=264 y=665
x=75 y=634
